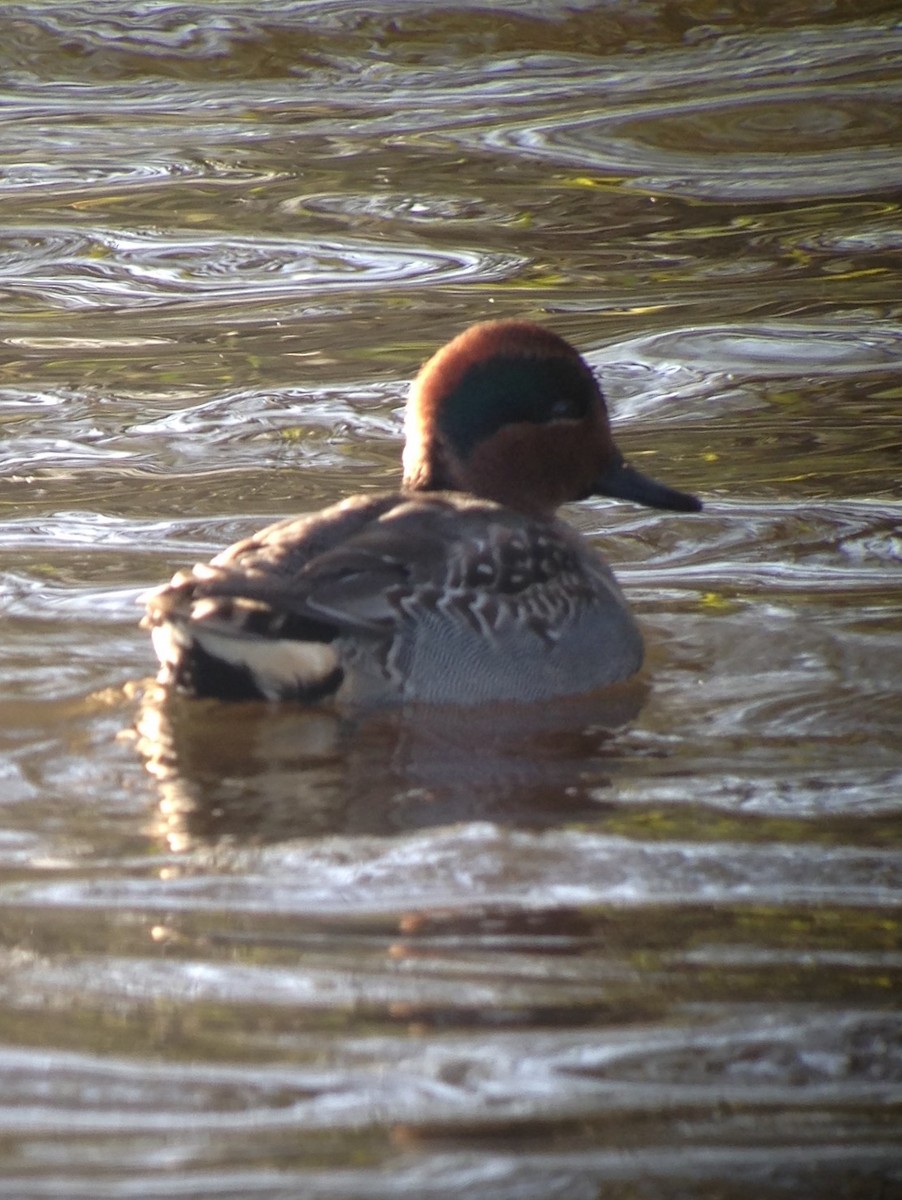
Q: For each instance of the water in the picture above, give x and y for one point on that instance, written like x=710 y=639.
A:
x=642 y=947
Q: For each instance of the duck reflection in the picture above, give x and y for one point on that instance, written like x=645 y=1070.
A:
x=266 y=773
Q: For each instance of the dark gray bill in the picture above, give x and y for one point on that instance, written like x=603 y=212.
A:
x=626 y=483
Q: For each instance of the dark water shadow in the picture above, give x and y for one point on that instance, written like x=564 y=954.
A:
x=263 y=773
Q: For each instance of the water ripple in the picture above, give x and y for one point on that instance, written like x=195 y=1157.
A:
x=780 y=546
x=113 y=270
x=769 y=349
x=414 y=209
x=723 y=148
x=447 y=867
x=66 y=170
x=691 y=373
x=803 y=88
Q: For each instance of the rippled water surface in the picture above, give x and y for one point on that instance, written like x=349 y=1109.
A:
x=634 y=947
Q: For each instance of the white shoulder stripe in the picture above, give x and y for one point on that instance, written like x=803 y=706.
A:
x=276 y=666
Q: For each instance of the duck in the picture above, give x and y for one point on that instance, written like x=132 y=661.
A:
x=464 y=586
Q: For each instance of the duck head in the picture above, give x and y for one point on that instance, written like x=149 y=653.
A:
x=511 y=412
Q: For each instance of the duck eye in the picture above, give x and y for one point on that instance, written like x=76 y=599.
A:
x=565 y=408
